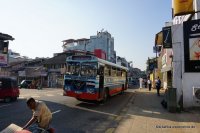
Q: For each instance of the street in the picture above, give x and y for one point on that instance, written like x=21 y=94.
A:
x=69 y=114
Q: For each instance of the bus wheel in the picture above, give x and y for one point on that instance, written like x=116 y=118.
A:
x=14 y=98
x=105 y=96
x=7 y=99
x=78 y=99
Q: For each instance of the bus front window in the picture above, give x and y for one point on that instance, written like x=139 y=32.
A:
x=73 y=68
x=89 y=69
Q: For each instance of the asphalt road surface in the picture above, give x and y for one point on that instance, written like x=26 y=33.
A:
x=69 y=114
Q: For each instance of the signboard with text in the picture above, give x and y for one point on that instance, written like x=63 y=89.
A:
x=192 y=45
x=167 y=37
x=3 y=60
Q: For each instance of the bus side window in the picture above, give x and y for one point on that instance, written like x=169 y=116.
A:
x=123 y=74
x=107 y=70
x=114 y=71
x=119 y=72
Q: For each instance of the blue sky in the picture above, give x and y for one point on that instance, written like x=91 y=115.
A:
x=39 y=26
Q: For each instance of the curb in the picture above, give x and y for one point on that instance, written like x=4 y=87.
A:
x=122 y=113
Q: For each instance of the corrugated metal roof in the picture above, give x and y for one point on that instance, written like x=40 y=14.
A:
x=6 y=37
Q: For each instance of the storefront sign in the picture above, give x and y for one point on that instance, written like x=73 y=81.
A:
x=3 y=60
x=167 y=37
x=157 y=48
x=192 y=45
x=159 y=38
x=182 y=7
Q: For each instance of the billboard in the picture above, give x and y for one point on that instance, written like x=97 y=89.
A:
x=167 y=37
x=191 y=31
x=182 y=7
x=159 y=38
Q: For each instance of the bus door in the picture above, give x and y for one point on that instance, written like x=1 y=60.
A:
x=101 y=81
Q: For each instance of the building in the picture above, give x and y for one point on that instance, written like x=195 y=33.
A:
x=122 y=61
x=166 y=69
x=103 y=40
x=30 y=70
x=56 y=67
x=16 y=57
x=180 y=55
x=4 y=43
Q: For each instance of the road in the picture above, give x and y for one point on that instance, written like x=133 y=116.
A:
x=69 y=114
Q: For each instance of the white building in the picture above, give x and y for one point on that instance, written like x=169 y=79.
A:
x=186 y=82
x=103 y=40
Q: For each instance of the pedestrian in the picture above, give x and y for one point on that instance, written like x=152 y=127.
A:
x=158 y=86
x=41 y=117
x=149 y=84
x=145 y=83
x=140 y=80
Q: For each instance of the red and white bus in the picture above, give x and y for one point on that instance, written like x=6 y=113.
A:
x=90 y=78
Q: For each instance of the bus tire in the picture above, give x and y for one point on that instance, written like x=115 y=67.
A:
x=14 y=98
x=105 y=95
x=7 y=99
x=78 y=99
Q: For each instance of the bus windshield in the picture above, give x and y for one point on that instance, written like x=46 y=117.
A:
x=73 y=68
x=89 y=69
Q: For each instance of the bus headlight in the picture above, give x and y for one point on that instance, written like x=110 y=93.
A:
x=67 y=88
x=90 y=90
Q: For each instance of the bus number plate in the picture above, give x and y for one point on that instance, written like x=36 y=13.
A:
x=78 y=92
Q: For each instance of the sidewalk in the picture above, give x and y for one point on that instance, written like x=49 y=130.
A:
x=145 y=114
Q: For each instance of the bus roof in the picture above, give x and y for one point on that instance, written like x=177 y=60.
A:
x=110 y=63
x=100 y=60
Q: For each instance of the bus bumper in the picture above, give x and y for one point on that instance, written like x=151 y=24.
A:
x=82 y=95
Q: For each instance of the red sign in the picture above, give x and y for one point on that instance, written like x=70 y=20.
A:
x=3 y=60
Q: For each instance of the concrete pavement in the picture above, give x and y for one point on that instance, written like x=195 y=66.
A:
x=145 y=114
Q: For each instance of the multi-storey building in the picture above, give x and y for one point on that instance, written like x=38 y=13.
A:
x=103 y=40
x=179 y=58
x=4 y=42
x=14 y=57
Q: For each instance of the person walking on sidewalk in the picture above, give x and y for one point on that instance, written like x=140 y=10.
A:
x=158 y=86
x=140 y=80
x=149 y=83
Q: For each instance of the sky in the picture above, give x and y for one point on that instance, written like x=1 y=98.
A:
x=40 y=26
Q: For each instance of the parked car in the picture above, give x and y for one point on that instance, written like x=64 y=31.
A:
x=8 y=89
x=25 y=84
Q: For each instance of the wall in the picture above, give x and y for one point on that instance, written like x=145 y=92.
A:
x=181 y=80
x=166 y=66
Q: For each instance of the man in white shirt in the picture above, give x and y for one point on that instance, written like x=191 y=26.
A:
x=41 y=116
x=149 y=84
x=141 y=80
